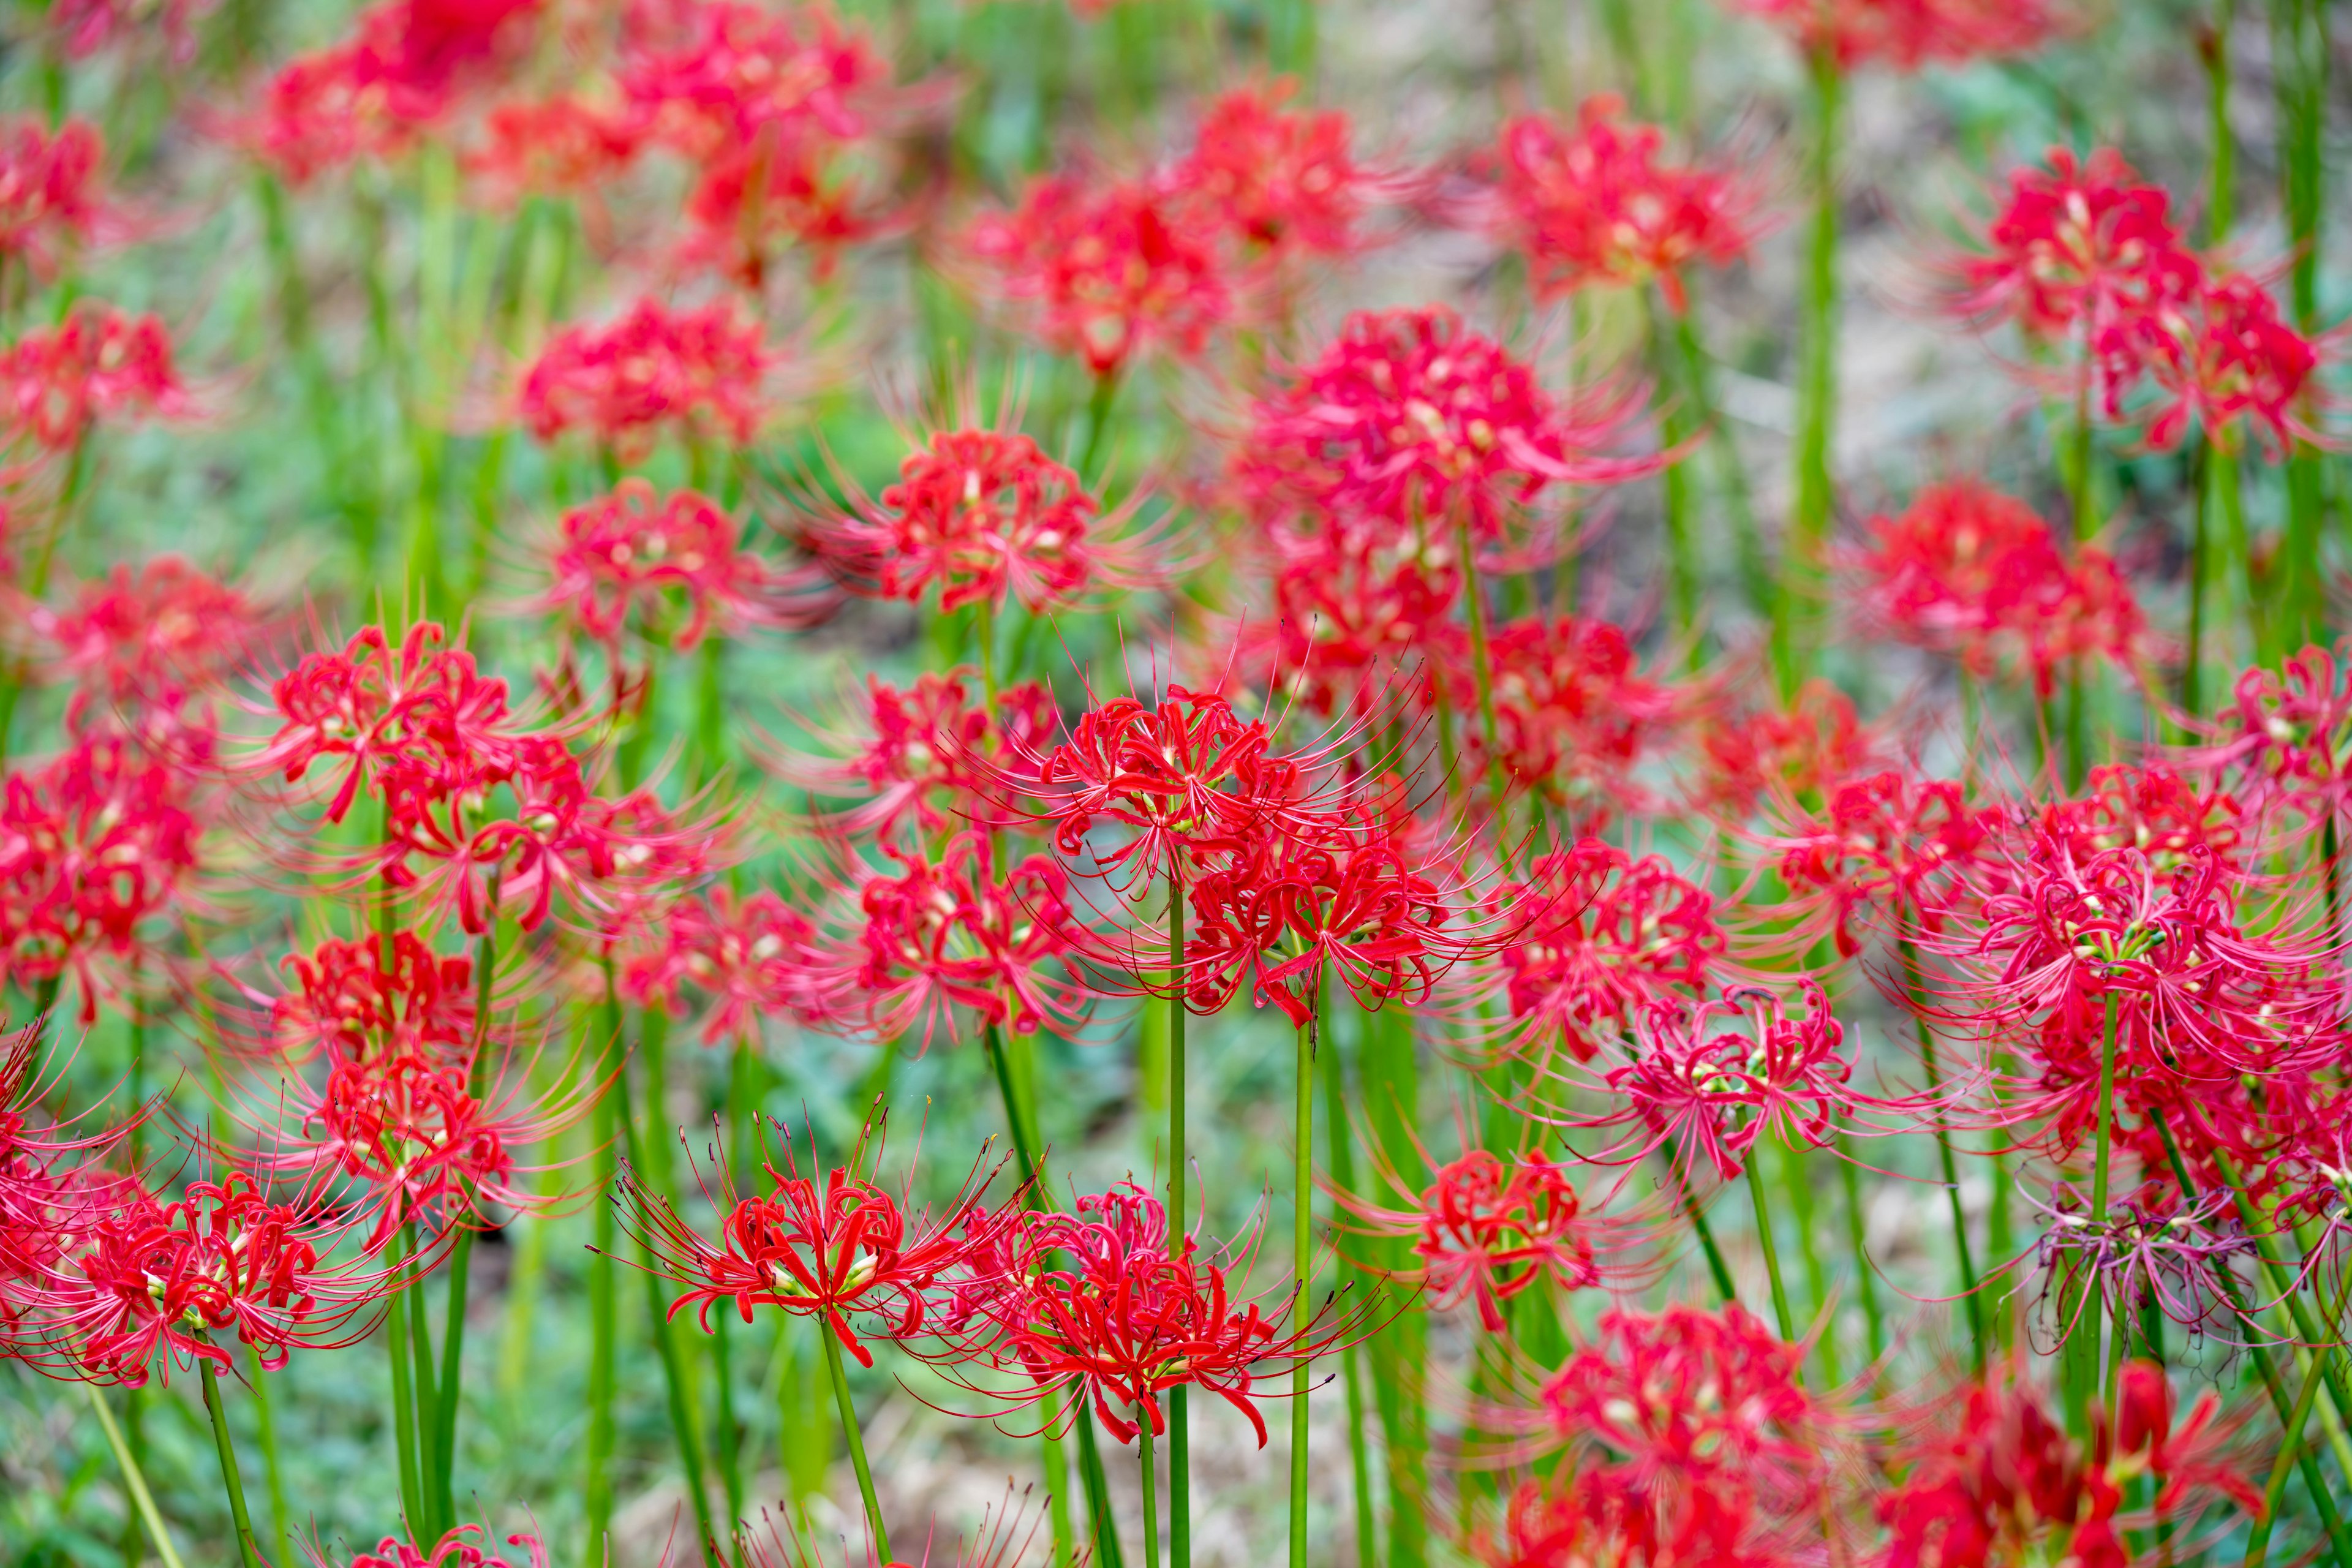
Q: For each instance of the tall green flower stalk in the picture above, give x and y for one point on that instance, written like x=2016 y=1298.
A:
x=1302 y=1262
x=2082 y=1364
x=2299 y=55
x=135 y=1478
x=232 y=1478
x=1179 y=1432
x=1798 y=607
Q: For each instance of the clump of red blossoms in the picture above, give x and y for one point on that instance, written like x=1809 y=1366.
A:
x=49 y=190
x=1991 y=1478
x=1594 y=204
x=2081 y=246
x=1887 y=847
x=1101 y=1309
x=925 y=751
x=671 y=570
x=1907 y=34
x=2223 y=362
x=1410 y=418
x=863 y=1261
x=147 y=647
x=463 y=1546
x=1281 y=179
x=1970 y=572
x=99 y=363
x=698 y=371
x=371 y=995
x=976 y=516
x=93 y=847
x=1489 y=1230
x=1109 y=270
x=753 y=958
x=1614 y=936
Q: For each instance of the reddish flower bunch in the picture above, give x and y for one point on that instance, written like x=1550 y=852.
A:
x=1888 y=846
x=1695 y=1419
x=696 y=371
x=2290 y=735
x=405 y=69
x=55 y=1180
x=754 y=958
x=1282 y=180
x=1593 y=204
x=462 y=1546
x=1976 y=573
x=1746 y=756
x=671 y=570
x=1410 y=419
x=1353 y=599
x=1491 y=1231
x=949 y=937
x=2086 y=253
x=1594 y=1518
x=865 y=1262
x=976 y=515
x=927 y=752
x=1683 y=1085
x=145 y=648
x=1574 y=716
x=2152 y=809
x=49 y=190
x=93 y=847
x=763 y=104
x=421 y=1108
x=564 y=146
x=1099 y=1308
x=145 y=1285
x=1909 y=33
x=1109 y=270
x=1614 y=936
x=1991 y=1478
x=99 y=363
x=423 y=729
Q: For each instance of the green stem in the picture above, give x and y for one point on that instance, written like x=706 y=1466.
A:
x=453 y=1351
x=1474 y=602
x=1909 y=953
x=427 y=1397
x=1731 y=474
x=1717 y=1269
x=1342 y=1156
x=2291 y=1448
x=1800 y=1193
x=1180 y=1425
x=273 y=1473
x=2201 y=551
x=1857 y=1232
x=1302 y=1259
x=1782 y=1316
x=1798 y=606
x=1149 y=1464
x=136 y=1480
x=1098 y=410
x=855 y=1440
x=2082 y=1359
x=603 y=1315
x=404 y=1399
x=248 y=1549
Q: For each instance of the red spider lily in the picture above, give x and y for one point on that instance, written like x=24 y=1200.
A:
x=402 y=71
x=709 y=75
x=1689 y=1406
x=1410 y=418
x=977 y=515
x=2221 y=357
x=1574 y=716
x=375 y=997
x=1180 y=782
x=1597 y=1517
x=49 y=190
x=1714 y=1094
x=82 y=28
x=144 y=643
x=950 y=934
x=146 y=1286
x=27 y=1132
x=1101 y=1310
x=1991 y=1478
x=1491 y=1231
x=1110 y=271
x=2148 y=1248
x=695 y=370
x=2288 y=734
x=416 y=1132
x=2152 y=809
x=1593 y=204
x=925 y=755
x=423 y=719
x=1888 y=847
x=1282 y=180
x=755 y=957
x=1344 y=898
x=669 y=569
x=563 y=145
x=99 y=363
x=1614 y=936
x=461 y=1546
x=1746 y=754
x=92 y=847
x=1004 y=1538
x=803 y=191
x=1909 y=33
x=2082 y=248
x=1350 y=602
x=851 y=1250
